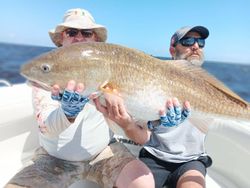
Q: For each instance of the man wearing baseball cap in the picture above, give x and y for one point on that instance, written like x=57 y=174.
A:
x=188 y=43
x=76 y=141
x=177 y=157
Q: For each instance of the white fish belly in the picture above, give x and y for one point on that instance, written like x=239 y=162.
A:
x=145 y=105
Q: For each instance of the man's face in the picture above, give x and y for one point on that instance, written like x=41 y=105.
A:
x=71 y=35
x=194 y=54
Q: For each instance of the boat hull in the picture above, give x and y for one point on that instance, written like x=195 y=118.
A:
x=227 y=143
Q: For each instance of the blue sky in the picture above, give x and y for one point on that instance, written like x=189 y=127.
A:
x=146 y=25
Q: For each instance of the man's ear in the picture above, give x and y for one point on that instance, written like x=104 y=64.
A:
x=172 y=51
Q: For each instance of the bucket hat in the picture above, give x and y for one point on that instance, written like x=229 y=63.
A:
x=79 y=19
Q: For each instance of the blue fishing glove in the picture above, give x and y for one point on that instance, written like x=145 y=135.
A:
x=71 y=102
x=174 y=116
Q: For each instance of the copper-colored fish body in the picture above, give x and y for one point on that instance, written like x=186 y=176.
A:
x=144 y=82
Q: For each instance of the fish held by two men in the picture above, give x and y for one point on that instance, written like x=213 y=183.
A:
x=144 y=82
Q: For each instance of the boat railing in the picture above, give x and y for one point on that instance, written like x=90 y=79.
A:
x=5 y=83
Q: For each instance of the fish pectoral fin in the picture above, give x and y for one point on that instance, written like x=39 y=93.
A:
x=201 y=123
x=108 y=87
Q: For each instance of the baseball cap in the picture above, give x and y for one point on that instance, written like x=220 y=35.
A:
x=180 y=33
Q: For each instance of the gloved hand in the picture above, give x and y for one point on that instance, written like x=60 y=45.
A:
x=174 y=116
x=71 y=102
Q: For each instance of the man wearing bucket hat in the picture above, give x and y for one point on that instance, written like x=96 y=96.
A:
x=75 y=138
x=77 y=20
x=177 y=157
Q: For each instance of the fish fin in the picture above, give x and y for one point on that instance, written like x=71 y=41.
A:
x=199 y=72
x=220 y=86
x=108 y=87
x=201 y=123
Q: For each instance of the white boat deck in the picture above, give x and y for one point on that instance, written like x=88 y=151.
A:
x=227 y=143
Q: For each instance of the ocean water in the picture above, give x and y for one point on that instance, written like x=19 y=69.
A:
x=236 y=76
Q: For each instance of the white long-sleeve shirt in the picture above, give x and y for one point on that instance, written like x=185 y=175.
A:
x=81 y=140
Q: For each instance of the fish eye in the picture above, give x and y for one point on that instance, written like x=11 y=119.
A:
x=45 y=68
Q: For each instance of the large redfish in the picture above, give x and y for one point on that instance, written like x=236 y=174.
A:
x=144 y=82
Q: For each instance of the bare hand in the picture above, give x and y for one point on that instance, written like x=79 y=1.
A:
x=114 y=109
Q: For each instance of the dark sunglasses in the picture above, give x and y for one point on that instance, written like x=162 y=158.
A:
x=70 y=32
x=190 y=41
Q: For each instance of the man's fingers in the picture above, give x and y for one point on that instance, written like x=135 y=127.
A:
x=100 y=107
x=177 y=109
x=71 y=85
x=122 y=110
x=95 y=95
x=187 y=105
x=176 y=102
x=55 y=93
x=162 y=112
x=79 y=88
x=169 y=103
x=55 y=90
x=108 y=106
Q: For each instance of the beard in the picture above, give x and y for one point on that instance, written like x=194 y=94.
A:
x=196 y=60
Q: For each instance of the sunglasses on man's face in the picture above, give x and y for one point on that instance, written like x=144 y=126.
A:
x=190 y=41
x=73 y=32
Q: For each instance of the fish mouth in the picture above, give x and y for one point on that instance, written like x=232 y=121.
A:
x=33 y=82
x=37 y=83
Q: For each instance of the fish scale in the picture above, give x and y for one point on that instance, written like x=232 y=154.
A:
x=144 y=82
